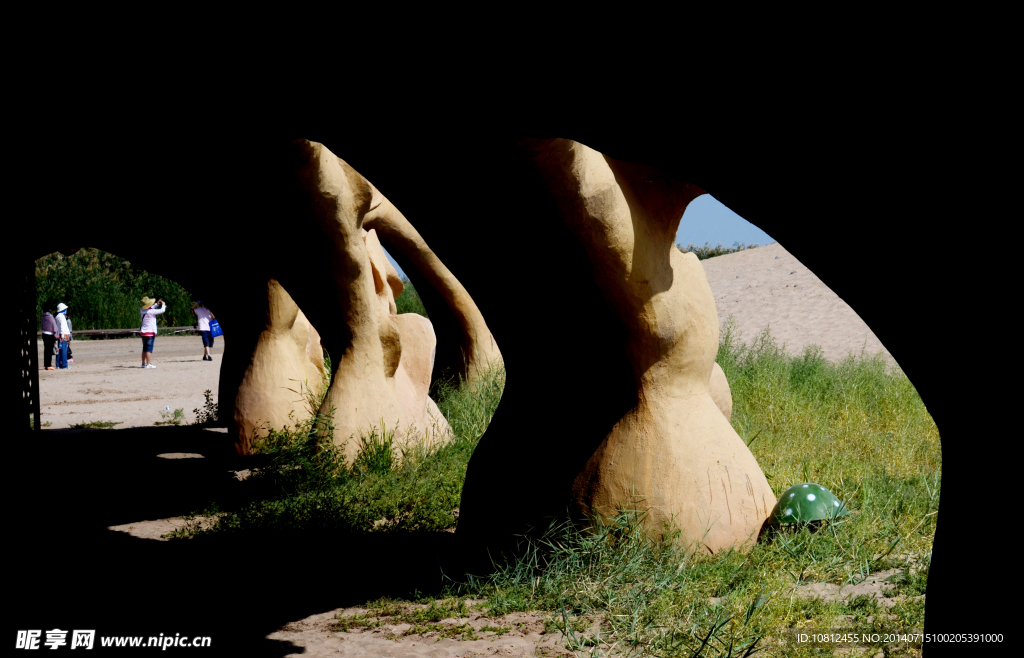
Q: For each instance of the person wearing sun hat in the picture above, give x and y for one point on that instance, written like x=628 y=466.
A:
x=63 y=335
x=148 y=329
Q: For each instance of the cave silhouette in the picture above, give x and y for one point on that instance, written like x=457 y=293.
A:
x=473 y=198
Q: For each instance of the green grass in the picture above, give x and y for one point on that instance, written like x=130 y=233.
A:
x=308 y=485
x=409 y=301
x=177 y=417
x=857 y=427
x=707 y=251
x=807 y=419
x=207 y=415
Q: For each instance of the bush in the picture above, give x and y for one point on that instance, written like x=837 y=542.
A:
x=103 y=291
x=207 y=416
x=707 y=251
x=409 y=301
x=177 y=417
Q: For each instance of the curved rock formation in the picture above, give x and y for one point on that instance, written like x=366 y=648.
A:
x=720 y=392
x=674 y=452
x=475 y=340
x=382 y=369
x=287 y=354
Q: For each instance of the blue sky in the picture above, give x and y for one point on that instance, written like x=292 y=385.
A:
x=705 y=220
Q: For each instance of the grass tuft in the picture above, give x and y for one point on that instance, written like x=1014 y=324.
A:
x=207 y=416
x=409 y=301
x=308 y=485
x=177 y=417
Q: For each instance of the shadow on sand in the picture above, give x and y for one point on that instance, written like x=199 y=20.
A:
x=69 y=571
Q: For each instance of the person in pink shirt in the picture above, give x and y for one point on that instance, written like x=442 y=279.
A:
x=148 y=330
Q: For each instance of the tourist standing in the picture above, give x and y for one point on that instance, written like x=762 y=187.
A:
x=49 y=328
x=203 y=325
x=148 y=330
x=71 y=337
x=63 y=336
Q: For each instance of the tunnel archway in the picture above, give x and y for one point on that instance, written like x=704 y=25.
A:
x=861 y=288
x=102 y=293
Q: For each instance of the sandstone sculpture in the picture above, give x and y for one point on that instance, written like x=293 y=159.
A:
x=382 y=373
x=287 y=353
x=650 y=406
x=675 y=448
x=720 y=391
x=475 y=339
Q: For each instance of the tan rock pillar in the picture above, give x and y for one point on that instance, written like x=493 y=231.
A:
x=477 y=343
x=720 y=392
x=675 y=453
x=288 y=349
x=382 y=371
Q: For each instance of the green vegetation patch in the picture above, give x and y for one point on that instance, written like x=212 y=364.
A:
x=176 y=417
x=707 y=251
x=409 y=301
x=103 y=291
x=207 y=415
x=307 y=484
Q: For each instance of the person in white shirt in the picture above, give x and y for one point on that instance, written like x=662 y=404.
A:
x=63 y=336
x=148 y=330
x=71 y=338
x=203 y=325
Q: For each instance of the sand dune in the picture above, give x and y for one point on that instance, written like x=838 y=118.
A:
x=769 y=287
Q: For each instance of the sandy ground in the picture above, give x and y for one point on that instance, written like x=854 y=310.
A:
x=769 y=287
x=523 y=632
x=525 y=637
x=105 y=383
x=763 y=287
x=759 y=287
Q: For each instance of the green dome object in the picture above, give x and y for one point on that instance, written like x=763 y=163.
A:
x=807 y=502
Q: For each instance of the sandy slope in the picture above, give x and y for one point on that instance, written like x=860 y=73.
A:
x=769 y=287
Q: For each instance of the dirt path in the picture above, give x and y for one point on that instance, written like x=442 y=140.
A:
x=105 y=383
x=519 y=634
